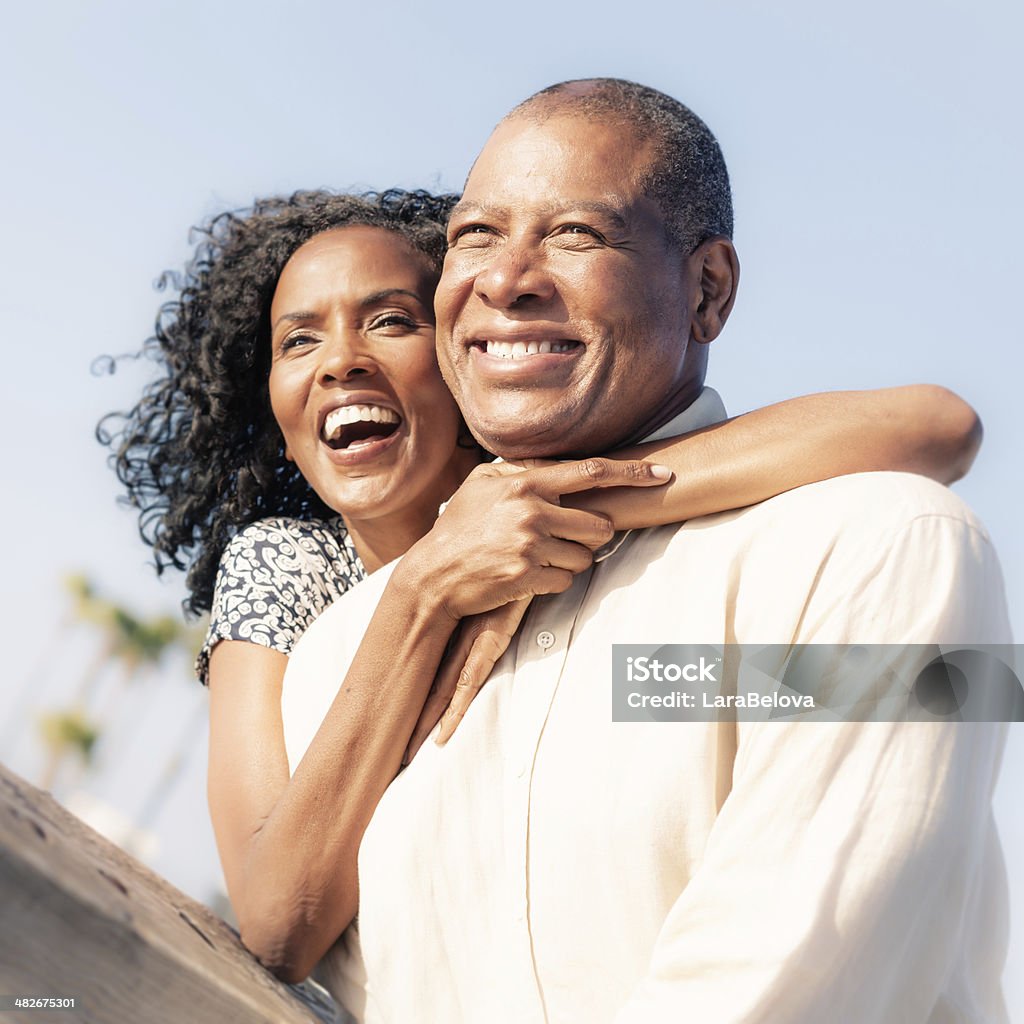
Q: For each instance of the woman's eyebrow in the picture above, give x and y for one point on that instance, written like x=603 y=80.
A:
x=387 y=293
x=300 y=317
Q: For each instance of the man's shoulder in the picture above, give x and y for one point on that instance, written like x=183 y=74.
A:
x=854 y=523
x=866 y=557
x=872 y=503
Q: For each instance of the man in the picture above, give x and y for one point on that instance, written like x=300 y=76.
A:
x=550 y=864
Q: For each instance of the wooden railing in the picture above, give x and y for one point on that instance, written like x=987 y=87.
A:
x=81 y=919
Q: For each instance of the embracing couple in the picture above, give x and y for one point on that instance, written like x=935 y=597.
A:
x=415 y=780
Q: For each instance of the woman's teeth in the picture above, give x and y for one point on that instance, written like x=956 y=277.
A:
x=522 y=349
x=338 y=419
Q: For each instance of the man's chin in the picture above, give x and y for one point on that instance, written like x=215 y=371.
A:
x=519 y=426
x=512 y=441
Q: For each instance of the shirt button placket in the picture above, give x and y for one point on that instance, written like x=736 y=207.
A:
x=541 y=653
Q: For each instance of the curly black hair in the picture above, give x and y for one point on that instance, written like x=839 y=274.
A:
x=201 y=454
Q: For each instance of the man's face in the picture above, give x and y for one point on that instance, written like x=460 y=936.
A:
x=563 y=313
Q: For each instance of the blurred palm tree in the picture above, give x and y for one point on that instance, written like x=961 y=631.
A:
x=131 y=644
x=127 y=640
x=80 y=589
x=65 y=733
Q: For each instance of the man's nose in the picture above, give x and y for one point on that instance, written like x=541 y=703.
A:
x=345 y=357
x=514 y=276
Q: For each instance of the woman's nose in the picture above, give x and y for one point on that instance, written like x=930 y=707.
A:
x=345 y=358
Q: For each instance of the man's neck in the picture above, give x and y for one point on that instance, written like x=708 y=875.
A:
x=673 y=405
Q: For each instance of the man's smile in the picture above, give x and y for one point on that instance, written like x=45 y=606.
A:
x=522 y=349
x=525 y=362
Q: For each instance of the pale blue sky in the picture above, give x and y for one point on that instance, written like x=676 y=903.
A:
x=876 y=154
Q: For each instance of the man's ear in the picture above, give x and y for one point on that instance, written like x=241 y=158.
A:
x=715 y=270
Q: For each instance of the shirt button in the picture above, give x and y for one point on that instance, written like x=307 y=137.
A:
x=545 y=640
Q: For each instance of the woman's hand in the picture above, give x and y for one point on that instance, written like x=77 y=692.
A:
x=478 y=643
x=505 y=536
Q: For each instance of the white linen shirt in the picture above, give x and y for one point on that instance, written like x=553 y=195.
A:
x=551 y=865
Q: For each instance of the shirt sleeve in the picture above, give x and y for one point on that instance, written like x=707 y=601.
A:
x=852 y=863
x=267 y=591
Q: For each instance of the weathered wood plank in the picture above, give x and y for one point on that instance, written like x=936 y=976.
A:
x=80 y=917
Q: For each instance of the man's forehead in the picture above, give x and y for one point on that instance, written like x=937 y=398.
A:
x=586 y=128
x=569 y=153
x=615 y=211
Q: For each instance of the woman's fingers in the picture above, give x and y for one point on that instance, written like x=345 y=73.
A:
x=552 y=553
x=521 y=464
x=441 y=692
x=432 y=711
x=481 y=641
x=549 y=479
x=504 y=533
x=591 y=529
x=490 y=644
x=550 y=482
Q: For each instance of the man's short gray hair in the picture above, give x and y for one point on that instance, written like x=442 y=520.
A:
x=687 y=176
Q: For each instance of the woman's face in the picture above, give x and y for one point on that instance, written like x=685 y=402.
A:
x=354 y=383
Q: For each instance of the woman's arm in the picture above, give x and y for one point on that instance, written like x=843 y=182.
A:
x=922 y=429
x=289 y=845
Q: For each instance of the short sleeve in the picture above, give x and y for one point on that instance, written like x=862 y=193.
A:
x=275 y=577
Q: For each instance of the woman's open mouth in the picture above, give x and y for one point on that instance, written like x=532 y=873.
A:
x=353 y=427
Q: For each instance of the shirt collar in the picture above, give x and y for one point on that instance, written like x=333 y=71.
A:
x=707 y=408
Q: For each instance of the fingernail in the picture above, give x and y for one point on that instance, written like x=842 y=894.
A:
x=660 y=472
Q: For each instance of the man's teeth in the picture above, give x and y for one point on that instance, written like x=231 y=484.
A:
x=338 y=419
x=522 y=349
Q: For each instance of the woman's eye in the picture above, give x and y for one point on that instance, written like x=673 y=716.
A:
x=394 y=320
x=295 y=340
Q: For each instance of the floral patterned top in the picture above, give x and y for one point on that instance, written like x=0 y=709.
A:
x=275 y=577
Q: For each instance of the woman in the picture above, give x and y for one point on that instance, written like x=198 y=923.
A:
x=303 y=431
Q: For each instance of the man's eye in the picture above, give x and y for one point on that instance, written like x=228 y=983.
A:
x=578 y=229
x=471 y=230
